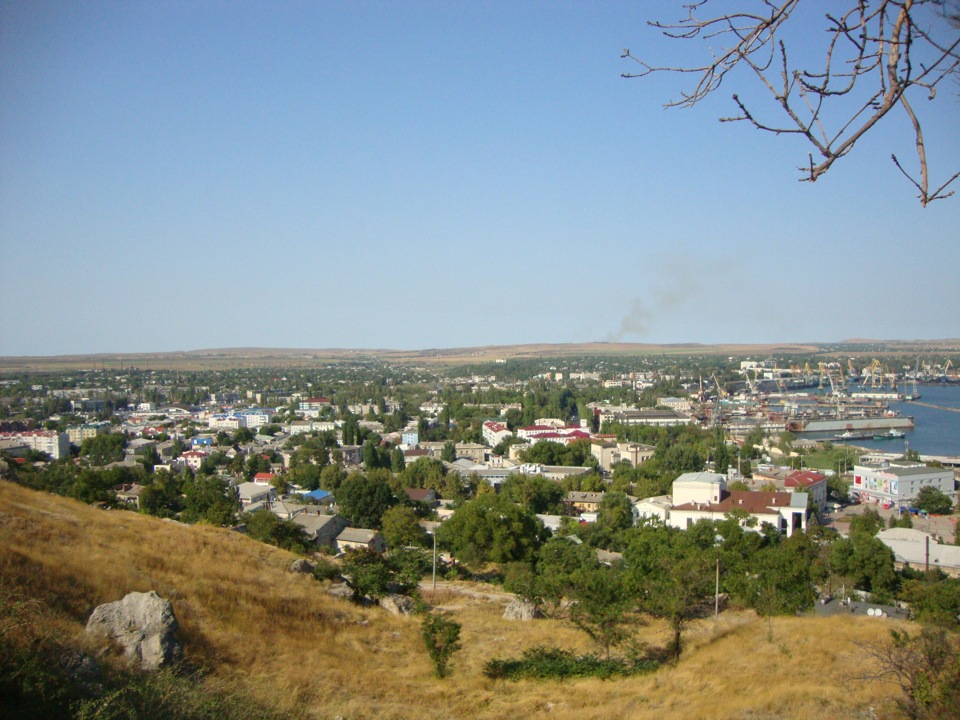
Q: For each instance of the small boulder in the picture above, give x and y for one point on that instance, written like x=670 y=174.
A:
x=521 y=610
x=341 y=590
x=397 y=604
x=301 y=566
x=143 y=624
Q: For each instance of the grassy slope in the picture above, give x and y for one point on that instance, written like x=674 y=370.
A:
x=303 y=651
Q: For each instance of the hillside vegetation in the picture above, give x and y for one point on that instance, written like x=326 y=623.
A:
x=280 y=642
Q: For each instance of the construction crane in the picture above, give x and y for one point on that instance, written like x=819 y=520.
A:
x=873 y=374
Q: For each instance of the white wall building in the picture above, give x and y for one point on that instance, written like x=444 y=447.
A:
x=495 y=432
x=897 y=483
x=54 y=444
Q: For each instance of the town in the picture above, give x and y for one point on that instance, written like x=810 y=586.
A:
x=590 y=489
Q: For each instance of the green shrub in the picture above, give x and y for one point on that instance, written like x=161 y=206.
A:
x=548 y=663
x=442 y=638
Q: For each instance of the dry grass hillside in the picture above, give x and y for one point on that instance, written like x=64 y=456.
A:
x=285 y=641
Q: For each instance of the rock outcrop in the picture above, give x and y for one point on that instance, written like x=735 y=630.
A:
x=301 y=566
x=521 y=610
x=397 y=604
x=144 y=625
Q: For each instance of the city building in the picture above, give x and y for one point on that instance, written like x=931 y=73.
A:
x=54 y=444
x=897 y=483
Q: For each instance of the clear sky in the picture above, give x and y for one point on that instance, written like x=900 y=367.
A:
x=186 y=175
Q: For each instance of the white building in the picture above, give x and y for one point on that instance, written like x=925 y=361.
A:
x=897 y=483
x=679 y=405
x=703 y=496
x=54 y=444
x=495 y=432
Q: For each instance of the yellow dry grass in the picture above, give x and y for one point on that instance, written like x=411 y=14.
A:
x=281 y=637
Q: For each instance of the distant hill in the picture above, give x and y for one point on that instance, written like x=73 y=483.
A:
x=222 y=358
x=279 y=639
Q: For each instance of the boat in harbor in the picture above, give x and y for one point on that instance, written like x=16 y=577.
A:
x=891 y=435
x=849 y=435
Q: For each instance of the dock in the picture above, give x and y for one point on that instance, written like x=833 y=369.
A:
x=935 y=407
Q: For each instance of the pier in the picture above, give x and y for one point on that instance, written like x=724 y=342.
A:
x=935 y=407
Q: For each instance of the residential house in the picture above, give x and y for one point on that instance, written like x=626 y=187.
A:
x=193 y=459
x=577 y=503
x=129 y=495
x=653 y=508
x=322 y=529
x=360 y=538
x=424 y=496
x=253 y=493
x=471 y=451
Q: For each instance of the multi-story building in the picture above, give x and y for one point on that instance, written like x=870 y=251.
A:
x=897 y=483
x=79 y=433
x=495 y=433
x=814 y=484
x=703 y=496
x=54 y=444
x=610 y=453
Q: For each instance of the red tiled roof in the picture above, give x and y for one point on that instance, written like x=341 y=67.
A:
x=755 y=503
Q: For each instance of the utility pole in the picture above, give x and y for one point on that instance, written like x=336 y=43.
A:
x=716 y=595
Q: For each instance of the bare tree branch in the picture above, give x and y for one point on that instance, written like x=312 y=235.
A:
x=876 y=52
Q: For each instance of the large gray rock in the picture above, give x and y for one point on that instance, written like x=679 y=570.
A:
x=521 y=610
x=397 y=604
x=143 y=624
x=301 y=566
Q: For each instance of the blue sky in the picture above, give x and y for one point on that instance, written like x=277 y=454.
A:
x=186 y=175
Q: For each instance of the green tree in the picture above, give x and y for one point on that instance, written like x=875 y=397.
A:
x=674 y=575
x=208 y=499
x=867 y=562
x=266 y=527
x=490 y=528
x=332 y=476
x=615 y=511
x=933 y=500
x=449 y=453
x=163 y=496
x=868 y=522
x=533 y=492
x=368 y=574
x=559 y=561
x=934 y=600
x=363 y=499
x=401 y=527
x=604 y=596
x=442 y=639
x=781 y=582
x=925 y=666
x=103 y=449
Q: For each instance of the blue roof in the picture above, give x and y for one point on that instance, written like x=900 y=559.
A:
x=317 y=494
